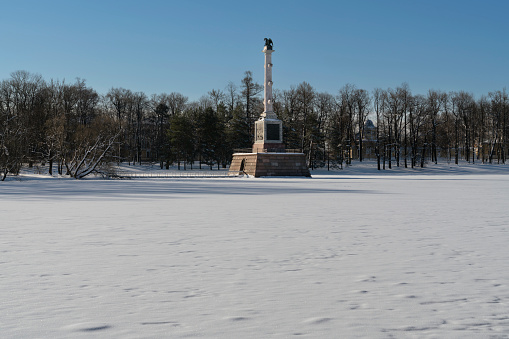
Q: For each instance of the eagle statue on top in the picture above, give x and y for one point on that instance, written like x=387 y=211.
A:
x=268 y=43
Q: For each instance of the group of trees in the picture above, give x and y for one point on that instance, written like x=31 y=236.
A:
x=76 y=131
x=410 y=129
x=54 y=123
x=416 y=128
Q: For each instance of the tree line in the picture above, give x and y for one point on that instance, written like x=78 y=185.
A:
x=76 y=131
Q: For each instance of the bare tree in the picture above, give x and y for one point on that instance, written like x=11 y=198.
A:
x=362 y=102
x=205 y=102
x=140 y=103
x=346 y=100
x=177 y=103
x=325 y=105
x=378 y=105
x=217 y=97
x=396 y=101
x=436 y=100
x=418 y=111
x=231 y=96
x=118 y=99
x=499 y=115
x=305 y=108
x=405 y=96
x=11 y=132
x=250 y=91
x=22 y=101
x=92 y=148
x=159 y=107
x=461 y=108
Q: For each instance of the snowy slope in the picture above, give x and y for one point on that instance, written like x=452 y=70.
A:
x=342 y=255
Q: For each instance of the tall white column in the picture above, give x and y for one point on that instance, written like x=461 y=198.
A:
x=267 y=86
x=268 y=128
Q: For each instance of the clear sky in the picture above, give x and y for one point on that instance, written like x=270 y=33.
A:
x=194 y=46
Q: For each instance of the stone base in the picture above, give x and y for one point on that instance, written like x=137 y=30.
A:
x=269 y=164
x=263 y=147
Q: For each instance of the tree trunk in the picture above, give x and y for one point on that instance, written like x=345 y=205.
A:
x=434 y=155
x=406 y=141
x=456 y=155
x=360 y=148
x=423 y=155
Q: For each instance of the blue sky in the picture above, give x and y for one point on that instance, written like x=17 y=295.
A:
x=195 y=46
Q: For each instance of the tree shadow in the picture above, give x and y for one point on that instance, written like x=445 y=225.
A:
x=160 y=188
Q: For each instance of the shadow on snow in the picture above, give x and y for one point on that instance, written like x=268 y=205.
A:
x=159 y=188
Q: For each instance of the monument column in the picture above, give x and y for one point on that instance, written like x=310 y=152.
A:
x=267 y=85
x=268 y=128
x=269 y=156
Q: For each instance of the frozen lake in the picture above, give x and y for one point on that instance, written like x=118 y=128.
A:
x=346 y=254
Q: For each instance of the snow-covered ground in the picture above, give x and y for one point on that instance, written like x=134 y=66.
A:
x=349 y=254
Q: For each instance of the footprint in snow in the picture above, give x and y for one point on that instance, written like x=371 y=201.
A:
x=235 y=319
x=317 y=320
x=87 y=327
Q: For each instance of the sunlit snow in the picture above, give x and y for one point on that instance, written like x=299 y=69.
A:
x=353 y=253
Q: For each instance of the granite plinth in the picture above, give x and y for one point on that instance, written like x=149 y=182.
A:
x=269 y=164
x=262 y=147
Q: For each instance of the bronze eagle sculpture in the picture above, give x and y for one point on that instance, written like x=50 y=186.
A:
x=268 y=43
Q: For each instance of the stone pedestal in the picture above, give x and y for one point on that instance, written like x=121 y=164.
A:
x=269 y=164
x=268 y=136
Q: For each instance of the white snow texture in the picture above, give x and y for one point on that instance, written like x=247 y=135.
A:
x=419 y=254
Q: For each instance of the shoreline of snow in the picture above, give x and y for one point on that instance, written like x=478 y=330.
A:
x=366 y=168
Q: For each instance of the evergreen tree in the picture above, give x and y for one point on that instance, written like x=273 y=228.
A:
x=181 y=139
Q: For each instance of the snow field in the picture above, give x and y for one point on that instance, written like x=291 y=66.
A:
x=364 y=256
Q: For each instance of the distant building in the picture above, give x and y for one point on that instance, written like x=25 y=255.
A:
x=368 y=140
x=369 y=131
